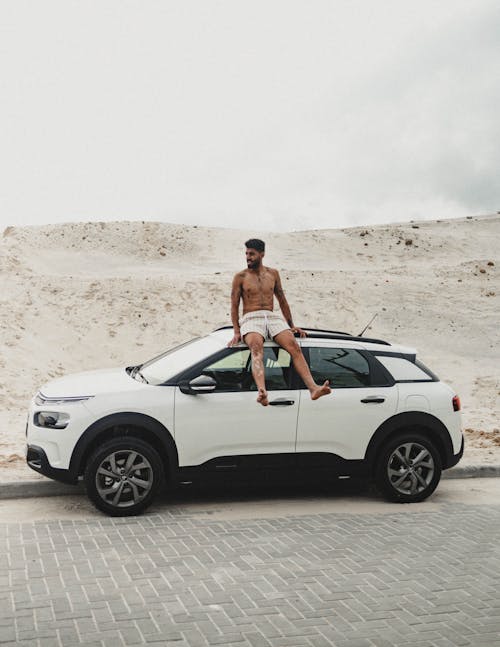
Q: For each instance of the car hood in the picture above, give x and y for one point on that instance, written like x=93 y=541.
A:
x=91 y=383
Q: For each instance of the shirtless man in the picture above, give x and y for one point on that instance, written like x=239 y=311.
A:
x=256 y=286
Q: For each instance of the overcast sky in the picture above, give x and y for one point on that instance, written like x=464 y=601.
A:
x=285 y=114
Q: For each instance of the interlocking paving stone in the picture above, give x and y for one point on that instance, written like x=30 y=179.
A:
x=425 y=579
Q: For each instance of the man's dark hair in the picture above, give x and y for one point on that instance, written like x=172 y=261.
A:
x=256 y=243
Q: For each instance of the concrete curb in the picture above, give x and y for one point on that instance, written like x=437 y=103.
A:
x=472 y=471
x=30 y=489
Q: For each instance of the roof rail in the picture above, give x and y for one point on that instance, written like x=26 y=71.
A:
x=319 y=333
x=332 y=332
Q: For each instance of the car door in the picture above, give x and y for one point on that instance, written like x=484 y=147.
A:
x=228 y=421
x=343 y=422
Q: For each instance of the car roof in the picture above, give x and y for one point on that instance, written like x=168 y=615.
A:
x=319 y=337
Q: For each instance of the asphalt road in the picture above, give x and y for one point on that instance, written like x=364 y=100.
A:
x=274 y=567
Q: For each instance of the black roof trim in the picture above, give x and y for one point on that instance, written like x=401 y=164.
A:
x=389 y=353
x=319 y=333
x=370 y=340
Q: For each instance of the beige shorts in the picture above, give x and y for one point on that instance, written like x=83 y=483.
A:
x=266 y=322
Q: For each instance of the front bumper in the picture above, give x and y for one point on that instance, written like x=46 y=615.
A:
x=36 y=458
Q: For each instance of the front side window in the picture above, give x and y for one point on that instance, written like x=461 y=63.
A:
x=344 y=367
x=234 y=371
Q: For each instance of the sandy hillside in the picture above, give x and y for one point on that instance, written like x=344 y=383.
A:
x=91 y=295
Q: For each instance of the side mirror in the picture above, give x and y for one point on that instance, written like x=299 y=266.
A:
x=200 y=384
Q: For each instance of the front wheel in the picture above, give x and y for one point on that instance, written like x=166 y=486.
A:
x=123 y=476
x=409 y=468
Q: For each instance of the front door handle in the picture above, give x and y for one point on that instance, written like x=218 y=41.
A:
x=374 y=399
x=281 y=402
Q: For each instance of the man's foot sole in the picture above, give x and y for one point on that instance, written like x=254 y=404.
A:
x=321 y=391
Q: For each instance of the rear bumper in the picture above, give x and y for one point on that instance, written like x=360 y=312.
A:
x=36 y=458
x=453 y=459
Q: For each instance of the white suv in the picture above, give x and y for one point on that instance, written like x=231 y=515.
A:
x=191 y=413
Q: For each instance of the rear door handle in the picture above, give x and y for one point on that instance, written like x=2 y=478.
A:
x=282 y=402
x=374 y=399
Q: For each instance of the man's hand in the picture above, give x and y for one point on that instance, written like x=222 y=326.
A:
x=235 y=340
x=298 y=331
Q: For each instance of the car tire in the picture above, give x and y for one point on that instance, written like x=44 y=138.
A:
x=123 y=476
x=408 y=468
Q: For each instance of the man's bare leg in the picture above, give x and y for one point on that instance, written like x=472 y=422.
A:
x=255 y=343
x=287 y=341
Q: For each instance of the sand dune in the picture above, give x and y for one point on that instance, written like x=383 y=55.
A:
x=88 y=295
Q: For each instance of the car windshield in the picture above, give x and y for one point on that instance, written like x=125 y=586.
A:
x=168 y=364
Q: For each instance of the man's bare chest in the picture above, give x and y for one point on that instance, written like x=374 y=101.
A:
x=258 y=284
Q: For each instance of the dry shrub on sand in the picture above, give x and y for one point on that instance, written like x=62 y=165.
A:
x=483 y=438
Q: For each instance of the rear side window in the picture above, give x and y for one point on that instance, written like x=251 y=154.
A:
x=344 y=367
x=402 y=370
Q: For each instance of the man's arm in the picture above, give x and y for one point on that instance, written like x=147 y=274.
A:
x=235 y=306
x=285 y=308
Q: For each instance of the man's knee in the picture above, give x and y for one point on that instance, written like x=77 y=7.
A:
x=289 y=343
x=255 y=343
x=294 y=349
x=256 y=349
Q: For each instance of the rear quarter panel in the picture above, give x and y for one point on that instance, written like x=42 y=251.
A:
x=434 y=398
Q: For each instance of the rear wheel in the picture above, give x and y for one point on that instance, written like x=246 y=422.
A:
x=409 y=468
x=123 y=476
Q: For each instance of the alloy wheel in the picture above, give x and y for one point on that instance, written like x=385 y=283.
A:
x=410 y=468
x=124 y=478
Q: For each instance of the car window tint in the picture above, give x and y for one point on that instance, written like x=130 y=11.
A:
x=277 y=364
x=235 y=362
x=402 y=369
x=234 y=372
x=344 y=367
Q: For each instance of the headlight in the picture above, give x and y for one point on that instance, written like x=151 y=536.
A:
x=51 y=419
x=41 y=399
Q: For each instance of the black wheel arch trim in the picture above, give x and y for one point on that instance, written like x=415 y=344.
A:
x=133 y=419
x=424 y=422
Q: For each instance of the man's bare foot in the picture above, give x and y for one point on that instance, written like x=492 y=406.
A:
x=321 y=390
x=262 y=398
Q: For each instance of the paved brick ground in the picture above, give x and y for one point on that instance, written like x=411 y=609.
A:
x=185 y=579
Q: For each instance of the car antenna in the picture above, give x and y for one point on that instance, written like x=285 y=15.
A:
x=367 y=325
